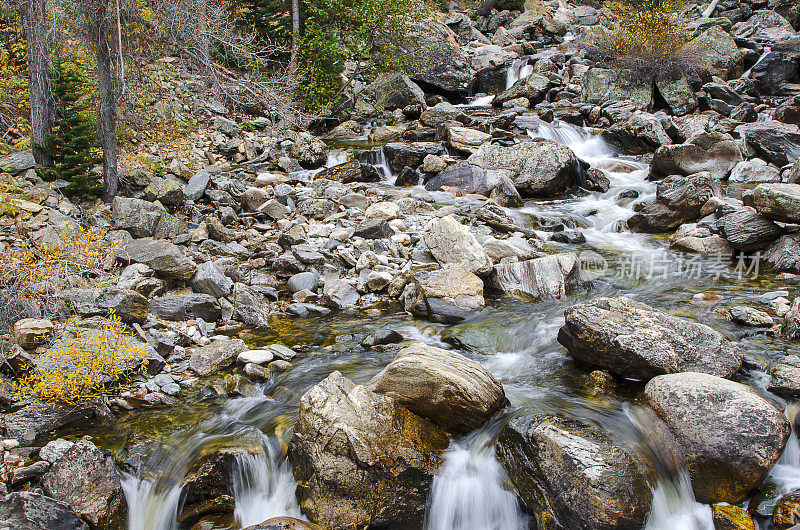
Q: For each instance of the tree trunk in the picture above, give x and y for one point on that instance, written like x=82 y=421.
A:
x=485 y=9
x=107 y=113
x=295 y=35
x=41 y=96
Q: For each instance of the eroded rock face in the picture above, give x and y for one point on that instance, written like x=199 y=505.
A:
x=453 y=392
x=87 y=480
x=729 y=435
x=545 y=278
x=633 y=340
x=31 y=511
x=361 y=458
x=571 y=475
x=540 y=168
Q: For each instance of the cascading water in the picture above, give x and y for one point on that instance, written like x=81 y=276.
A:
x=336 y=157
x=675 y=508
x=377 y=157
x=151 y=504
x=519 y=69
x=468 y=491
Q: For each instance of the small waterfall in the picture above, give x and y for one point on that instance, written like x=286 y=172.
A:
x=764 y=54
x=519 y=69
x=336 y=157
x=377 y=157
x=675 y=508
x=263 y=487
x=150 y=505
x=483 y=101
x=468 y=491
x=786 y=472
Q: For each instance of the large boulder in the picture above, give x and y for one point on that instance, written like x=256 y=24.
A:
x=777 y=201
x=720 y=56
x=773 y=71
x=453 y=392
x=714 y=152
x=729 y=435
x=209 y=279
x=773 y=141
x=784 y=254
x=362 y=459
x=162 y=256
x=539 y=168
x=444 y=65
x=641 y=133
x=465 y=139
x=765 y=26
x=25 y=510
x=86 y=479
x=635 y=341
x=533 y=88
x=395 y=91
x=445 y=295
x=747 y=230
x=451 y=242
x=215 y=356
x=31 y=422
x=605 y=85
x=351 y=171
x=402 y=154
x=677 y=93
x=569 y=474
x=545 y=278
x=678 y=200
x=179 y=307
x=442 y=113
x=786 y=376
x=145 y=219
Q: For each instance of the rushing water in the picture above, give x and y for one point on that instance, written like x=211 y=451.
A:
x=515 y=339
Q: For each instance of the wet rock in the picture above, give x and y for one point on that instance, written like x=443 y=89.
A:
x=714 y=152
x=381 y=338
x=512 y=247
x=633 y=340
x=340 y=293
x=86 y=479
x=602 y=85
x=284 y=523
x=678 y=200
x=361 y=458
x=451 y=242
x=728 y=517
x=545 y=278
x=747 y=230
x=779 y=202
x=641 y=133
x=162 y=256
x=786 y=376
x=697 y=407
x=209 y=279
x=453 y=392
x=750 y=317
x=32 y=332
x=755 y=170
x=569 y=474
x=787 y=512
x=532 y=89
x=445 y=295
x=784 y=254
x=215 y=356
x=29 y=423
x=465 y=139
x=401 y=154
x=179 y=307
x=408 y=176
x=539 y=168
x=775 y=142
x=31 y=511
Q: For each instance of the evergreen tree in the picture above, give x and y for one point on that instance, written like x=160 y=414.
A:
x=73 y=143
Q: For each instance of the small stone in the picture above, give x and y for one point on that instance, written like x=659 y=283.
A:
x=750 y=317
x=55 y=449
x=282 y=352
x=255 y=357
x=280 y=365
x=382 y=337
x=172 y=389
x=255 y=372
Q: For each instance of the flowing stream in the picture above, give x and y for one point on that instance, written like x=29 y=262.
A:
x=515 y=339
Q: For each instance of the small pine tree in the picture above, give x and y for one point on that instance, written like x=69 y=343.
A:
x=73 y=143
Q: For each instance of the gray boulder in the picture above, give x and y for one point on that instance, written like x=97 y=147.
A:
x=446 y=67
x=340 y=293
x=442 y=113
x=362 y=459
x=209 y=279
x=786 y=376
x=450 y=242
x=402 y=154
x=29 y=423
x=755 y=170
x=765 y=26
x=179 y=307
x=569 y=474
x=603 y=85
x=395 y=91
x=720 y=54
x=714 y=152
x=164 y=190
x=162 y=256
x=635 y=341
x=453 y=392
x=545 y=278
x=196 y=187
x=747 y=230
x=777 y=201
x=678 y=200
x=215 y=356
x=445 y=295
x=784 y=254
x=729 y=435
x=86 y=479
x=250 y=306
x=145 y=219
x=540 y=168
x=775 y=142
x=25 y=510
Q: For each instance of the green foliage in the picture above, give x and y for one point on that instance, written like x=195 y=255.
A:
x=511 y=5
x=379 y=35
x=73 y=143
x=270 y=18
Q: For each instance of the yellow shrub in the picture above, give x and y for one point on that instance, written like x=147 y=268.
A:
x=83 y=363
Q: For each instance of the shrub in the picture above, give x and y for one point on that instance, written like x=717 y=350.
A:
x=511 y=5
x=32 y=276
x=82 y=363
x=73 y=145
x=649 y=37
